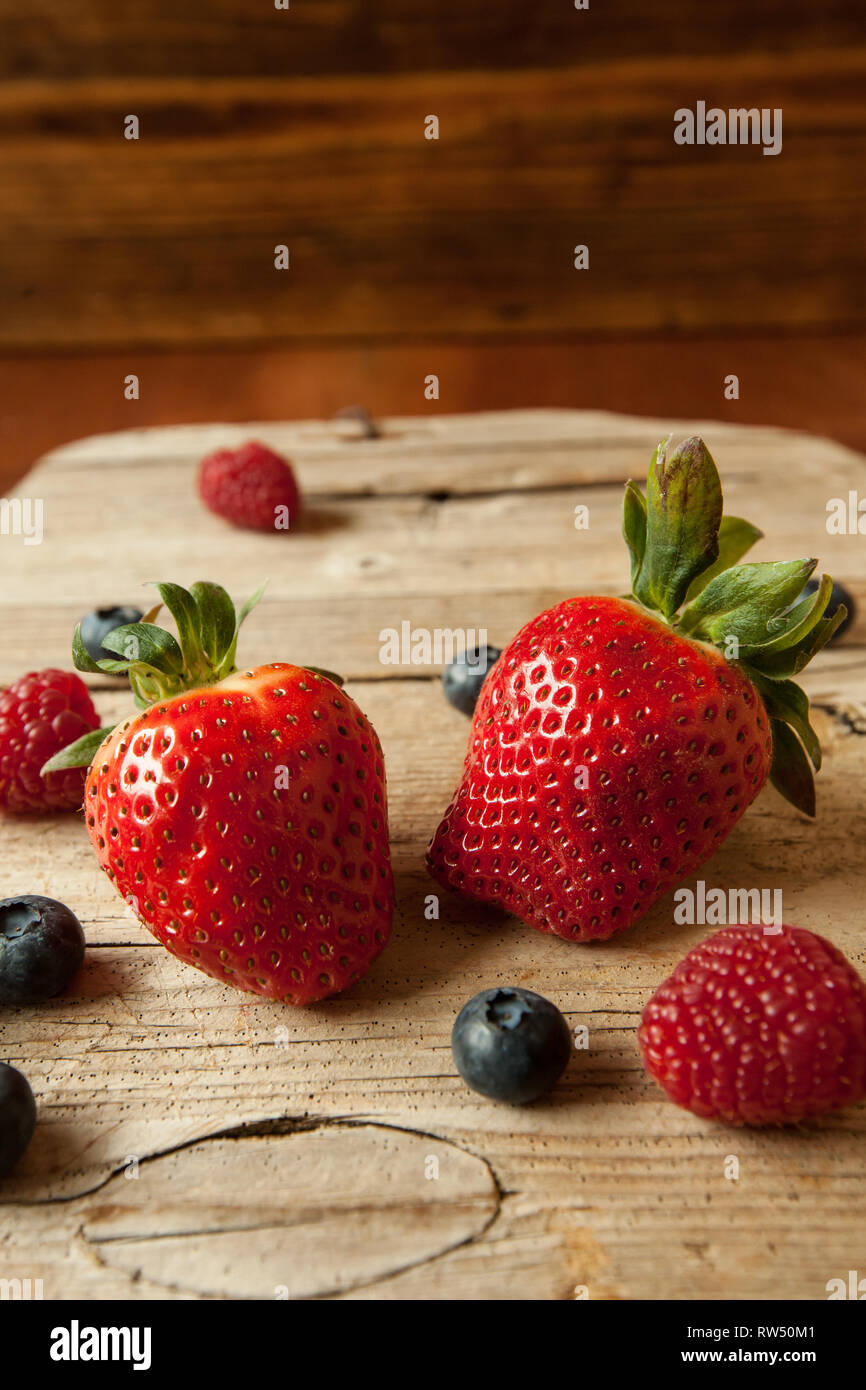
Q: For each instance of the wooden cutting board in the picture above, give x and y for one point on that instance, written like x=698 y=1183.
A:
x=197 y=1142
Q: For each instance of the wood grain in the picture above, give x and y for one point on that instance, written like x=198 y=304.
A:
x=371 y=548
x=810 y=382
x=279 y=1149
x=170 y=239
x=216 y=37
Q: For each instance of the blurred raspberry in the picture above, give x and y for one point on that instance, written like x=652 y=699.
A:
x=757 y=1027
x=41 y=713
x=247 y=485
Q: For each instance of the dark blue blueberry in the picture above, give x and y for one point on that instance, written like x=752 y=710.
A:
x=839 y=594
x=463 y=679
x=510 y=1044
x=17 y=1117
x=41 y=948
x=96 y=626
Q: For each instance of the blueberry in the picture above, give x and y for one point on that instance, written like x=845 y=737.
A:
x=839 y=594
x=41 y=948
x=510 y=1044
x=96 y=626
x=17 y=1117
x=463 y=679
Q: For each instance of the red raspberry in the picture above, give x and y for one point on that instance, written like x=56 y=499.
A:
x=247 y=485
x=757 y=1028
x=41 y=713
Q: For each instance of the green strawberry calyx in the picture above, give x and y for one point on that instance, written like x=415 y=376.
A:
x=685 y=569
x=160 y=665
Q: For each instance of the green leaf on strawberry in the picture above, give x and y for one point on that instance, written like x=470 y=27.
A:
x=217 y=620
x=634 y=528
x=786 y=703
x=790 y=772
x=742 y=602
x=789 y=662
x=685 y=568
x=683 y=515
x=736 y=538
x=159 y=665
x=78 y=754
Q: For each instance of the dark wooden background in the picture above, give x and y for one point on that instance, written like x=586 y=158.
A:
x=306 y=127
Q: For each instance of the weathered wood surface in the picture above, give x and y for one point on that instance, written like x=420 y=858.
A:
x=306 y=128
x=284 y=1153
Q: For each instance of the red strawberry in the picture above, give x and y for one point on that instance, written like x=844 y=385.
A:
x=675 y=743
x=245 y=819
x=39 y=714
x=759 y=1027
x=614 y=746
x=250 y=486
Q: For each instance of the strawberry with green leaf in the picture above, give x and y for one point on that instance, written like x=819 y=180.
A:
x=617 y=741
x=242 y=814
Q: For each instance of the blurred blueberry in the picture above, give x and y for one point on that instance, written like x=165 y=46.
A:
x=463 y=679
x=96 y=626
x=839 y=594
x=17 y=1117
